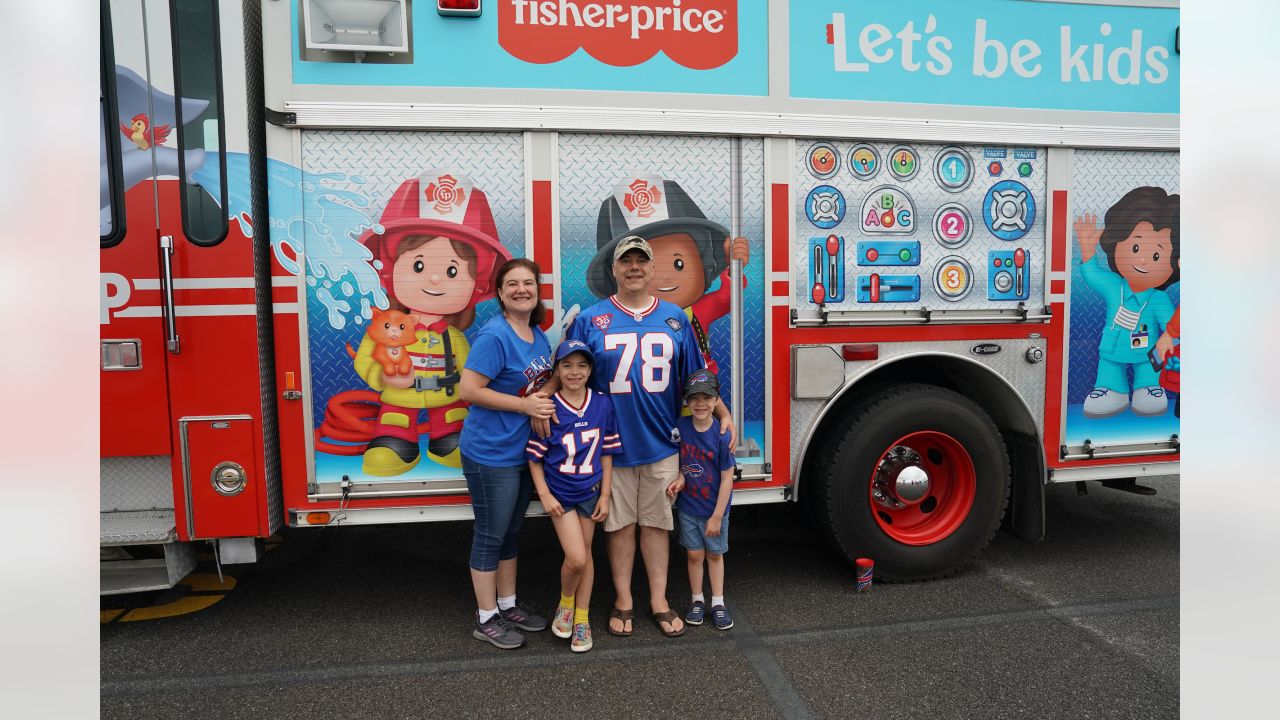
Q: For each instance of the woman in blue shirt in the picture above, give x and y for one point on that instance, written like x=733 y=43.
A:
x=510 y=359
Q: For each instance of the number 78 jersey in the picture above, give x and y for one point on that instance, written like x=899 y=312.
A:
x=642 y=360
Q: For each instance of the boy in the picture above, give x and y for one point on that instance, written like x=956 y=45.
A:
x=572 y=471
x=707 y=465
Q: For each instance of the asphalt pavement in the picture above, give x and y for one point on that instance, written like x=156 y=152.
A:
x=374 y=622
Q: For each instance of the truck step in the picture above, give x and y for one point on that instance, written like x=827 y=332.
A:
x=140 y=552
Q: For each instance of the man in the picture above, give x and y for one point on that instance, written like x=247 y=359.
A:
x=645 y=348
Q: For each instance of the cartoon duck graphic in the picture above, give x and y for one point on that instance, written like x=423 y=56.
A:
x=140 y=132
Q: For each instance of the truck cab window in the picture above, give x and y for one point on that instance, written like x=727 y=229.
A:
x=111 y=194
x=197 y=74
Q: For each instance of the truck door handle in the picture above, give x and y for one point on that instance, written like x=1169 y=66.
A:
x=172 y=342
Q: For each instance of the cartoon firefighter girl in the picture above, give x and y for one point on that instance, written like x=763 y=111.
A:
x=436 y=255
x=1139 y=260
x=689 y=251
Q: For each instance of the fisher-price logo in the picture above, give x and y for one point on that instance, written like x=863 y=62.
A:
x=642 y=198
x=698 y=34
x=445 y=195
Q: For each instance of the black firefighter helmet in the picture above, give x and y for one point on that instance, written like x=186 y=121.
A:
x=649 y=206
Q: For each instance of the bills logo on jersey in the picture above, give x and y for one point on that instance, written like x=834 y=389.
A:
x=444 y=196
x=602 y=321
x=691 y=470
x=674 y=324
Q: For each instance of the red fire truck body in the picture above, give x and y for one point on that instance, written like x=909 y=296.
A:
x=930 y=317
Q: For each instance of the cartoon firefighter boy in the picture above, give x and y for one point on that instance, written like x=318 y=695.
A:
x=689 y=251
x=436 y=255
x=1138 y=261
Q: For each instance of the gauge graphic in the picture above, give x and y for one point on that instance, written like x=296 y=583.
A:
x=864 y=162
x=823 y=161
x=903 y=162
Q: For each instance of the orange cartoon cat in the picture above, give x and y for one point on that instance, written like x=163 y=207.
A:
x=392 y=331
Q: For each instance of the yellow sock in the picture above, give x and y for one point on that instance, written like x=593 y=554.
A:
x=579 y=616
x=566 y=601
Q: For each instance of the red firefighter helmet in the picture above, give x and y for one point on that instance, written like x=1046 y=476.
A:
x=442 y=203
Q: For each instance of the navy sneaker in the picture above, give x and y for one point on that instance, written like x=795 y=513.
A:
x=498 y=633
x=522 y=616
x=720 y=615
x=697 y=612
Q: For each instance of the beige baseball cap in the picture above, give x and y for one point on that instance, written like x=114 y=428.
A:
x=632 y=242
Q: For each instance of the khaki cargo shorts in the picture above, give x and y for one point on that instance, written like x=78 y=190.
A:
x=639 y=494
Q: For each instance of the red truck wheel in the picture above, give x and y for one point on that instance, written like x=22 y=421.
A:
x=917 y=479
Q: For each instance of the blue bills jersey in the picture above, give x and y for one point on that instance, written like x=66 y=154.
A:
x=642 y=360
x=570 y=457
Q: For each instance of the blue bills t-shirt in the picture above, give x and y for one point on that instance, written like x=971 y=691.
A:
x=703 y=456
x=514 y=367
x=642 y=360
x=571 y=456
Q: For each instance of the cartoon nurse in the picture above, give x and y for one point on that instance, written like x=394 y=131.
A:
x=1139 y=259
x=437 y=250
x=689 y=251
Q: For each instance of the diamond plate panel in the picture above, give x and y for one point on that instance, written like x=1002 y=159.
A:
x=1027 y=380
x=927 y=194
x=590 y=167
x=135 y=483
x=136 y=527
x=359 y=171
x=1099 y=179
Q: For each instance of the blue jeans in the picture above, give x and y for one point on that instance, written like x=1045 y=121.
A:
x=499 y=497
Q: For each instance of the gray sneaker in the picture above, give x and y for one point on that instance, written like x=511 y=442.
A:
x=498 y=633
x=1104 y=402
x=522 y=616
x=1150 y=401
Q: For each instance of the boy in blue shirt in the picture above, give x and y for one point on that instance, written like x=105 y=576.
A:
x=707 y=465
x=572 y=471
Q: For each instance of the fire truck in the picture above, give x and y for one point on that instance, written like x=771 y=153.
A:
x=931 y=250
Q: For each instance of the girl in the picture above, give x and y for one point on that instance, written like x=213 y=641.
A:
x=574 y=483
x=510 y=362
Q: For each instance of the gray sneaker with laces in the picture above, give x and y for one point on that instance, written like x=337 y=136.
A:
x=498 y=633
x=522 y=616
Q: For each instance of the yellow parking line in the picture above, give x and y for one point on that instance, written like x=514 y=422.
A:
x=107 y=616
x=181 y=606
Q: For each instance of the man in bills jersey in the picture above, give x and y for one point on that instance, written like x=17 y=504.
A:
x=644 y=349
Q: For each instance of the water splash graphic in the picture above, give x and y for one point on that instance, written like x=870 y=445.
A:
x=316 y=217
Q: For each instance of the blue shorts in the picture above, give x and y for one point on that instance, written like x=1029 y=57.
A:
x=585 y=508
x=693 y=534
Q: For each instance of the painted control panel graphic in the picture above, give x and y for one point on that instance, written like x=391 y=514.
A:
x=1009 y=210
x=885 y=223
x=826 y=269
x=1008 y=274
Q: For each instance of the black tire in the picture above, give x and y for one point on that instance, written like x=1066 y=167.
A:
x=846 y=460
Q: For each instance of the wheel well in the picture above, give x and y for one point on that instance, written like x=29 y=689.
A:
x=1025 y=517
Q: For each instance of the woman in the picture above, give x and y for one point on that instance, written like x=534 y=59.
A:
x=510 y=359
